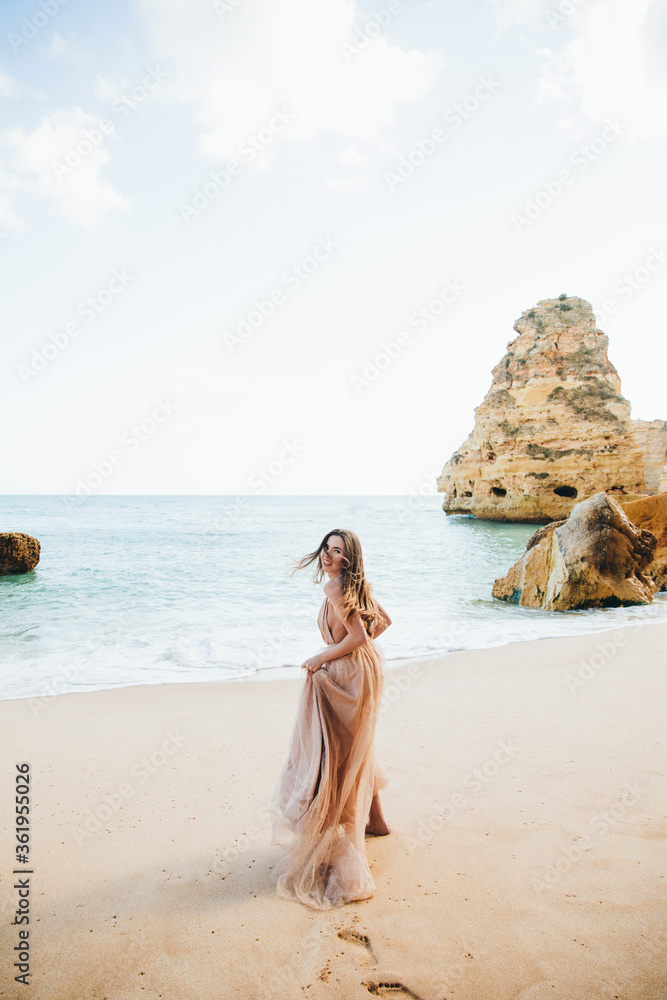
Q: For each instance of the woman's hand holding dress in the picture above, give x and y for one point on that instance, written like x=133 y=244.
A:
x=314 y=663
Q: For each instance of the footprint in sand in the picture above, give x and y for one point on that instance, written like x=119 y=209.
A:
x=356 y=938
x=391 y=989
x=378 y=987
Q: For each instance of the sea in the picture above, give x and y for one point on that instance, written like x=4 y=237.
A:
x=169 y=589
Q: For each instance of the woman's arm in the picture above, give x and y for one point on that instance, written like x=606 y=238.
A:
x=356 y=636
x=356 y=633
x=380 y=628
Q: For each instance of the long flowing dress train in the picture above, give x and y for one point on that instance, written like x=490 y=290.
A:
x=320 y=805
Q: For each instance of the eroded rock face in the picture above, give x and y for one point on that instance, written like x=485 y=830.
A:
x=651 y=436
x=651 y=513
x=596 y=558
x=552 y=429
x=19 y=553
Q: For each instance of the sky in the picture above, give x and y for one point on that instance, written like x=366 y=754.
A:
x=277 y=246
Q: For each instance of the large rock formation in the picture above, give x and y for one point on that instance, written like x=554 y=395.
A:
x=651 y=436
x=596 y=558
x=651 y=514
x=19 y=553
x=552 y=429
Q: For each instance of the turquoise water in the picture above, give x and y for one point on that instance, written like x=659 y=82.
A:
x=152 y=589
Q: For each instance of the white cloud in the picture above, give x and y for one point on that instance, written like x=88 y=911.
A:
x=65 y=48
x=351 y=155
x=346 y=183
x=8 y=85
x=555 y=82
x=265 y=54
x=9 y=220
x=187 y=378
x=59 y=46
x=520 y=12
x=110 y=90
x=612 y=62
x=61 y=160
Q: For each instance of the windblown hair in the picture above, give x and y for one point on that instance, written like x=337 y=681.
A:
x=357 y=591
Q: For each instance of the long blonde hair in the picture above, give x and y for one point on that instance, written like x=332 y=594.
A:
x=357 y=591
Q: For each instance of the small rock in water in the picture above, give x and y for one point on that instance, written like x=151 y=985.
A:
x=19 y=553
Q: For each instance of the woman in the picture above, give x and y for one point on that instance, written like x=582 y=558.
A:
x=327 y=796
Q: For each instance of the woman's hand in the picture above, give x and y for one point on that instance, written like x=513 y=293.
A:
x=314 y=663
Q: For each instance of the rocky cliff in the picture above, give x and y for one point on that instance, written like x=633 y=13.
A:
x=650 y=514
x=651 y=436
x=553 y=428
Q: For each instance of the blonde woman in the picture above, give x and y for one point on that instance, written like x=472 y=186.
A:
x=327 y=796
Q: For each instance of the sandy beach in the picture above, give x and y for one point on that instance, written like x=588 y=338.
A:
x=528 y=809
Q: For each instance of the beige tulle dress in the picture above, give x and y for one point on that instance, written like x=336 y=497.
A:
x=321 y=802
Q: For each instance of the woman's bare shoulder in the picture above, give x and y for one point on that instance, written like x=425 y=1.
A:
x=333 y=589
